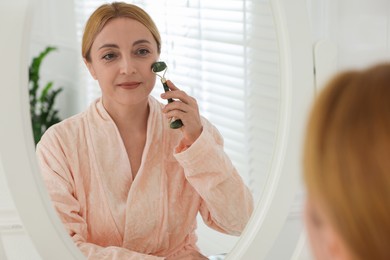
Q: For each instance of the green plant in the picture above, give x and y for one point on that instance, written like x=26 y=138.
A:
x=43 y=113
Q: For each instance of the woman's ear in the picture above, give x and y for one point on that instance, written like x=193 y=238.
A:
x=90 y=68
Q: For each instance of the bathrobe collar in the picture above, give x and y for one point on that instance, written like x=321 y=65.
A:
x=115 y=172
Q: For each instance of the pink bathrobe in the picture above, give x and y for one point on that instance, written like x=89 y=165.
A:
x=111 y=216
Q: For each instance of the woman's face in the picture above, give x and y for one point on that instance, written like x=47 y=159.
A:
x=325 y=241
x=121 y=59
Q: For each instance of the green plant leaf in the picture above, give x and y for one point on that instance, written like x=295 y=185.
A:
x=43 y=114
x=45 y=91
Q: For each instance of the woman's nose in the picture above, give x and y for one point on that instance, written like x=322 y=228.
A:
x=127 y=66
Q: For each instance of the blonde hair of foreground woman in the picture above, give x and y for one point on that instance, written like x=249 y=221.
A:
x=347 y=167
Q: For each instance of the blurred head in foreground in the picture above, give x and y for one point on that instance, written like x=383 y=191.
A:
x=347 y=167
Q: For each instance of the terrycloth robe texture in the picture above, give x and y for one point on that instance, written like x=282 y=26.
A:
x=110 y=215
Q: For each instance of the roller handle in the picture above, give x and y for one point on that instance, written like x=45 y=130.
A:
x=166 y=89
x=175 y=123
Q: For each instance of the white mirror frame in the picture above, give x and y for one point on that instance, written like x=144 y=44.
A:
x=297 y=91
x=17 y=155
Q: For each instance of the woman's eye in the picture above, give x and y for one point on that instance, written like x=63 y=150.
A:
x=109 y=56
x=142 y=52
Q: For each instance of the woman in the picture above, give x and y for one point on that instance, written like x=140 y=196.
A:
x=125 y=185
x=346 y=167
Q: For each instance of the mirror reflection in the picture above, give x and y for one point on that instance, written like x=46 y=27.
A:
x=115 y=160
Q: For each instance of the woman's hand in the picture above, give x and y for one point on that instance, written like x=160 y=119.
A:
x=186 y=109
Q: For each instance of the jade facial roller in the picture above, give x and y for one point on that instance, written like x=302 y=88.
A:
x=157 y=67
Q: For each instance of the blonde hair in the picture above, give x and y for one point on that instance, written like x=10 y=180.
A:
x=347 y=158
x=104 y=13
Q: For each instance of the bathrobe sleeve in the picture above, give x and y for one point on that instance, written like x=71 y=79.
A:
x=57 y=175
x=227 y=203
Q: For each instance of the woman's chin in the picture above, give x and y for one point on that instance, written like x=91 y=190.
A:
x=132 y=100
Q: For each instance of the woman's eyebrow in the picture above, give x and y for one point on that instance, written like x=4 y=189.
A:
x=141 y=41
x=109 y=45
x=112 y=45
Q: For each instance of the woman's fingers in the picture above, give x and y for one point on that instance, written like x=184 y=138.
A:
x=186 y=109
x=172 y=86
x=176 y=93
x=176 y=105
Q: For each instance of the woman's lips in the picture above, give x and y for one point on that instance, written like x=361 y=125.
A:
x=129 y=85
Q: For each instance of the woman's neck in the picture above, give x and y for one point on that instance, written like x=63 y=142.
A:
x=129 y=118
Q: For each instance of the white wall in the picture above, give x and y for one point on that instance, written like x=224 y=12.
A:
x=359 y=28
x=362 y=31
x=54 y=24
